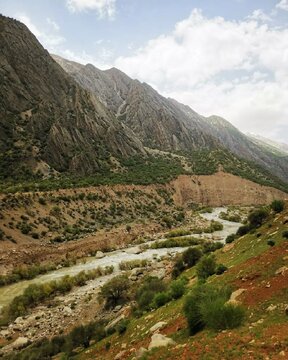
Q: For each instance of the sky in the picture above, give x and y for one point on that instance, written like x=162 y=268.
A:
x=222 y=57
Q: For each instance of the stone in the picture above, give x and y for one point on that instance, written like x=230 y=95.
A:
x=120 y=355
x=18 y=320
x=114 y=322
x=4 y=333
x=235 y=295
x=159 y=340
x=99 y=255
x=117 y=308
x=159 y=273
x=271 y=308
x=281 y=270
x=160 y=325
x=67 y=310
x=134 y=250
x=20 y=343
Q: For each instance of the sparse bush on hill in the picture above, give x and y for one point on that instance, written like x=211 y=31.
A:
x=220 y=269
x=191 y=256
x=277 y=205
x=285 y=234
x=230 y=238
x=145 y=294
x=256 y=218
x=206 y=267
x=271 y=242
x=243 y=230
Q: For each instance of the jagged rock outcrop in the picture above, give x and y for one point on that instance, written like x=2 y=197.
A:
x=46 y=116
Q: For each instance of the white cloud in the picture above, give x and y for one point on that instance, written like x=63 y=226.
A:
x=237 y=69
x=54 y=25
x=49 y=39
x=104 y=8
x=100 y=61
x=259 y=15
x=283 y=5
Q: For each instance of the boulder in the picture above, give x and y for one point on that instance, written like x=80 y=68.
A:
x=114 y=322
x=281 y=270
x=20 y=343
x=120 y=355
x=134 y=250
x=99 y=255
x=160 y=325
x=159 y=340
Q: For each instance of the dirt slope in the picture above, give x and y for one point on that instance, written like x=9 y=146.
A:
x=222 y=189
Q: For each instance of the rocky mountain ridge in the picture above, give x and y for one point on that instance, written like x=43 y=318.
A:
x=48 y=120
x=166 y=124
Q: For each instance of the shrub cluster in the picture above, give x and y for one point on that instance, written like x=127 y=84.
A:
x=206 y=306
x=154 y=293
x=36 y=293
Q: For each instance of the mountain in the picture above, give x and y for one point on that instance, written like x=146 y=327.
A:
x=278 y=148
x=158 y=122
x=47 y=121
x=166 y=124
x=64 y=117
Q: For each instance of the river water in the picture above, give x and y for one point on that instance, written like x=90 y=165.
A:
x=7 y=293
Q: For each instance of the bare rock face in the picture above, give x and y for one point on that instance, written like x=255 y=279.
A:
x=46 y=116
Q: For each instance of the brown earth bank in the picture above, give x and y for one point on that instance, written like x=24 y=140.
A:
x=52 y=226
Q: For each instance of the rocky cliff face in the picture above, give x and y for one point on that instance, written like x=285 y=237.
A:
x=166 y=124
x=47 y=118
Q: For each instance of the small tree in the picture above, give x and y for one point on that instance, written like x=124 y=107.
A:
x=191 y=256
x=115 y=291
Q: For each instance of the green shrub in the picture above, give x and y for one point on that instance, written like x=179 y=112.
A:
x=285 y=234
x=220 y=269
x=160 y=299
x=121 y=327
x=176 y=242
x=277 y=205
x=206 y=267
x=257 y=217
x=177 y=288
x=42 y=201
x=243 y=230
x=219 y=315
x=191 y=256
x=230 y=238
x=270 y=242
x=178 y=232
x=206 y=305
x=148 y=290
x=178 y=268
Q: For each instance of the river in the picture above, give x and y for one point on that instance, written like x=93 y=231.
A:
x=7 y=293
